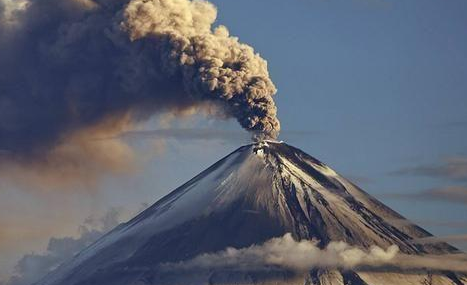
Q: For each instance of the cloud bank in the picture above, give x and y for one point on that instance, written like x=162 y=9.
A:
x=31 y=267
x=74 y=71
x=452 y=194
x=450 y=238
x=188 y=134
x=300 y=256
x=451 y=168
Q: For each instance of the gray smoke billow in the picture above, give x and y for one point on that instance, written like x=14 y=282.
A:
x=70 y=65
x=212 y=64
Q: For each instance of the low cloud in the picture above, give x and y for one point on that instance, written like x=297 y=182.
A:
x=450 y=238
x=435 y=223
x=359 y=179
x=454 y=168
x=300 y=256
x=31 y=267
x=453 y=194
x=456 y=194
x=455 y=124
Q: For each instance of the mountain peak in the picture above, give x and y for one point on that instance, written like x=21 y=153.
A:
x=260 y=191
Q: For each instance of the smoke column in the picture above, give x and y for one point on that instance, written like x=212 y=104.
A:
x=68 y=66
x=212 y=64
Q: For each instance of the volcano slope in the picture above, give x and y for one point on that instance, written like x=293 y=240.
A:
x=260 y=191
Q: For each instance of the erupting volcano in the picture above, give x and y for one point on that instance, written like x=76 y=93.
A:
x=264 y=193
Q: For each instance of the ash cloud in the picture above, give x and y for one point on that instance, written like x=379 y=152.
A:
x=188 y=134
x=92 y=68
x=31 y=267
x=301 y=256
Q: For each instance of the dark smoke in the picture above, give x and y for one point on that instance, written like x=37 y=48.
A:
x=69 y=65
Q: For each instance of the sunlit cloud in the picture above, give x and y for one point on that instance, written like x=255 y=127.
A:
x=33 y=266
x=301 y=256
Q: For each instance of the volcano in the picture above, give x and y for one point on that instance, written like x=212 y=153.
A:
x=260 y=191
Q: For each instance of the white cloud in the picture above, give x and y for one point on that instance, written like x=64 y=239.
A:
x=303 y=255
x=31 y=267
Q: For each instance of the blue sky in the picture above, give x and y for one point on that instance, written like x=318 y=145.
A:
x=374 y=87
x=381 y=85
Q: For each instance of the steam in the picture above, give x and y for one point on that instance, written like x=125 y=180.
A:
x=87 y=68
x=301 y=256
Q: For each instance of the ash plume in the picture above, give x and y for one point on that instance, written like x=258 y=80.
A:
x=212 y=64
x=69 y=66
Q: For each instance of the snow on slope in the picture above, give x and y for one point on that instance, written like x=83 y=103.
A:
x=259 y=191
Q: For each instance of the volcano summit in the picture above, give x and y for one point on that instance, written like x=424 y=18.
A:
x=212 y=229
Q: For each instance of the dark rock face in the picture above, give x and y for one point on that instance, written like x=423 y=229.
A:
x=258 y=192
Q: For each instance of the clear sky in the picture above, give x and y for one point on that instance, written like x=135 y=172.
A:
x=376 y=89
